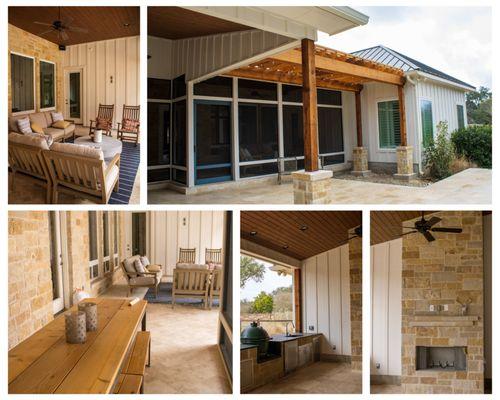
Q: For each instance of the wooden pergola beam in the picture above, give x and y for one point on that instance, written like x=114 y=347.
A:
x=294 y=80
x=309 y=106
x=297 y=297
x=344 y=67
x=402 y=115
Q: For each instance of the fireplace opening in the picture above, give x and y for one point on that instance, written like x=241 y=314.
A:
x=441 y=358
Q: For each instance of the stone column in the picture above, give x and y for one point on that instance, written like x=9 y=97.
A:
x=360 y=161
x=312 y=187
x=404 y=155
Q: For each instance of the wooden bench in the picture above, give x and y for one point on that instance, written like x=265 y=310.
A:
x=128 y=384
x=137 y=360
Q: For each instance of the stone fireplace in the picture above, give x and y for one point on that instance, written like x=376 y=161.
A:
x=442 y=308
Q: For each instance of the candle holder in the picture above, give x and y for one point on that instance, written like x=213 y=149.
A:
x=90 y=310
x=76 y=331
x=98 y=136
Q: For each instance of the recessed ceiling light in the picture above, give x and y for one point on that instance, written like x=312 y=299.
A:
x=126 y=24
x=253 y=233
x=304 y=228
x=285 y=246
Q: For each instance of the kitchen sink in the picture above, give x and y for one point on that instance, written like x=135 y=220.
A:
x=297 y=334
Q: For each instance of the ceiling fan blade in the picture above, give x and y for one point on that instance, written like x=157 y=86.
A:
x=67 y=20
x=42 y=23
x=77 y=29
x=46 y=32
x=433 y=221
x=428 y=236
x=449 y=230
x=64 y=35
x=408 y=233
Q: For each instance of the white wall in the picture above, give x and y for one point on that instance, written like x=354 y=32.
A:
x=170 y=230
x=199 y=56
x=444 y=103
x=370 y=95
x=386 y=269
x=116 y=58
x=326 y=299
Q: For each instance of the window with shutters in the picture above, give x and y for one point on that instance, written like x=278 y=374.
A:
x=460 y=115
x=388 y=124
x=427 y=125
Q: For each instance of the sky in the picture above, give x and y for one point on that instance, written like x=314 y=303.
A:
x=455 y=40
x=271 y=281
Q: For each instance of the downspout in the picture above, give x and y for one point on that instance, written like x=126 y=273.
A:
x=418 y=141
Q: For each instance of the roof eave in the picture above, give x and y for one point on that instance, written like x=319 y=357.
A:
x=419 y=73
x=348 y=13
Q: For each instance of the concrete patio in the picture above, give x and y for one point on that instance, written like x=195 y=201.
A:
x=472 y=186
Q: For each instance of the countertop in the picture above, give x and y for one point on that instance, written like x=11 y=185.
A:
x=247 y=346
x=284 y=338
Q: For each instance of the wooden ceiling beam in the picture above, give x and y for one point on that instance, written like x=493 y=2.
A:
x=344 y=67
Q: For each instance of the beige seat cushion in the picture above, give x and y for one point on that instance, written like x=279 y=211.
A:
x=142 y=280
x=30 y=140
x=40 y=119
x=56 y=134
x=128 y=263
x=190 y=266
x=111 y=178
x=83 y=151
x=69 y=129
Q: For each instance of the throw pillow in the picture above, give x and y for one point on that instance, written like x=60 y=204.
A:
x=102 y=123
x=37 y=128
x=56 y=116
x=145 y=261
x=139 y=267
x=130 y=125
x=61 y=124
x=153 y=268
x=24 y=125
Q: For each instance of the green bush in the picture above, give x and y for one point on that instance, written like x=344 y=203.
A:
x=474 y=143
x=439 y=154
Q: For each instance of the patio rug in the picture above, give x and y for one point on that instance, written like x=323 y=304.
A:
x=129 y=163
x=165 y=296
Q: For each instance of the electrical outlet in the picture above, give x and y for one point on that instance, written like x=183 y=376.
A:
x=334 y=347
x=377 y=365
x=432 y=308
x=311 y=327
x=445 y=307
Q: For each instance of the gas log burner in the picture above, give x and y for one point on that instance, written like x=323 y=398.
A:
x=441 y=358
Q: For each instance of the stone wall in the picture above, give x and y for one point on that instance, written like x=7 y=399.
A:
x=29 y=271
x=438 y=273
x=29 y=276
x=25 y=43
x=356 y=283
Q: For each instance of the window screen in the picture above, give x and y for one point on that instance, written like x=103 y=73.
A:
x=47 y=85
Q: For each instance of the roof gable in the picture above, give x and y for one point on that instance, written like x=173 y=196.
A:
x=395 y=59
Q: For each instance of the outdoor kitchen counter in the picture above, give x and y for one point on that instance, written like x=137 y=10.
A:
x=247 y=346
x=284 y=338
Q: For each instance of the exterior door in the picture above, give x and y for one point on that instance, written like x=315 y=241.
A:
x=139 y=233
x=56 y=261
x=213 y=159
x=73 y=82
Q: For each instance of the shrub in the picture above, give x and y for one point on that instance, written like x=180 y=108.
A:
x=460 y=163
x=474 y=143
x=439 y=154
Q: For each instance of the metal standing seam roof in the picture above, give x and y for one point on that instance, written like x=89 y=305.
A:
x=395 y=59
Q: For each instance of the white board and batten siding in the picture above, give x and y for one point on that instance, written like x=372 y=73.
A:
x=444 y=104
x=386 y=280
x=326 y=299
x=111 y=74
x=200 y=56
x=171 y=230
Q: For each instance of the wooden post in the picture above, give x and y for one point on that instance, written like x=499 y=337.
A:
x=402 y=115
x=297 y=299
x=310 y=106
x=359 y=127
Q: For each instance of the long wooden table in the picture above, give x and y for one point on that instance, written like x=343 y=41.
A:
x=46 y=363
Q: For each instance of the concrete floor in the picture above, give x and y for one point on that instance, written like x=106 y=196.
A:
x=472 y=186
x=184 y=354
x=320 y=377
x=27 y=193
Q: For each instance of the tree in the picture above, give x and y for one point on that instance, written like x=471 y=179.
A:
x=250 y=268
x=479 y=106
x=282 y=299
x=263 y=303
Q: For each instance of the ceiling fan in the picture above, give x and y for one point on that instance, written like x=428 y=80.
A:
x=61 y=27
x=356 y=233
x=425 y=227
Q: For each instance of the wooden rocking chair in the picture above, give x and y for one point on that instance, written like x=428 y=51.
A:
x=104 y=119
x=213 y=256
x=128 y=130
x=187 y=256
